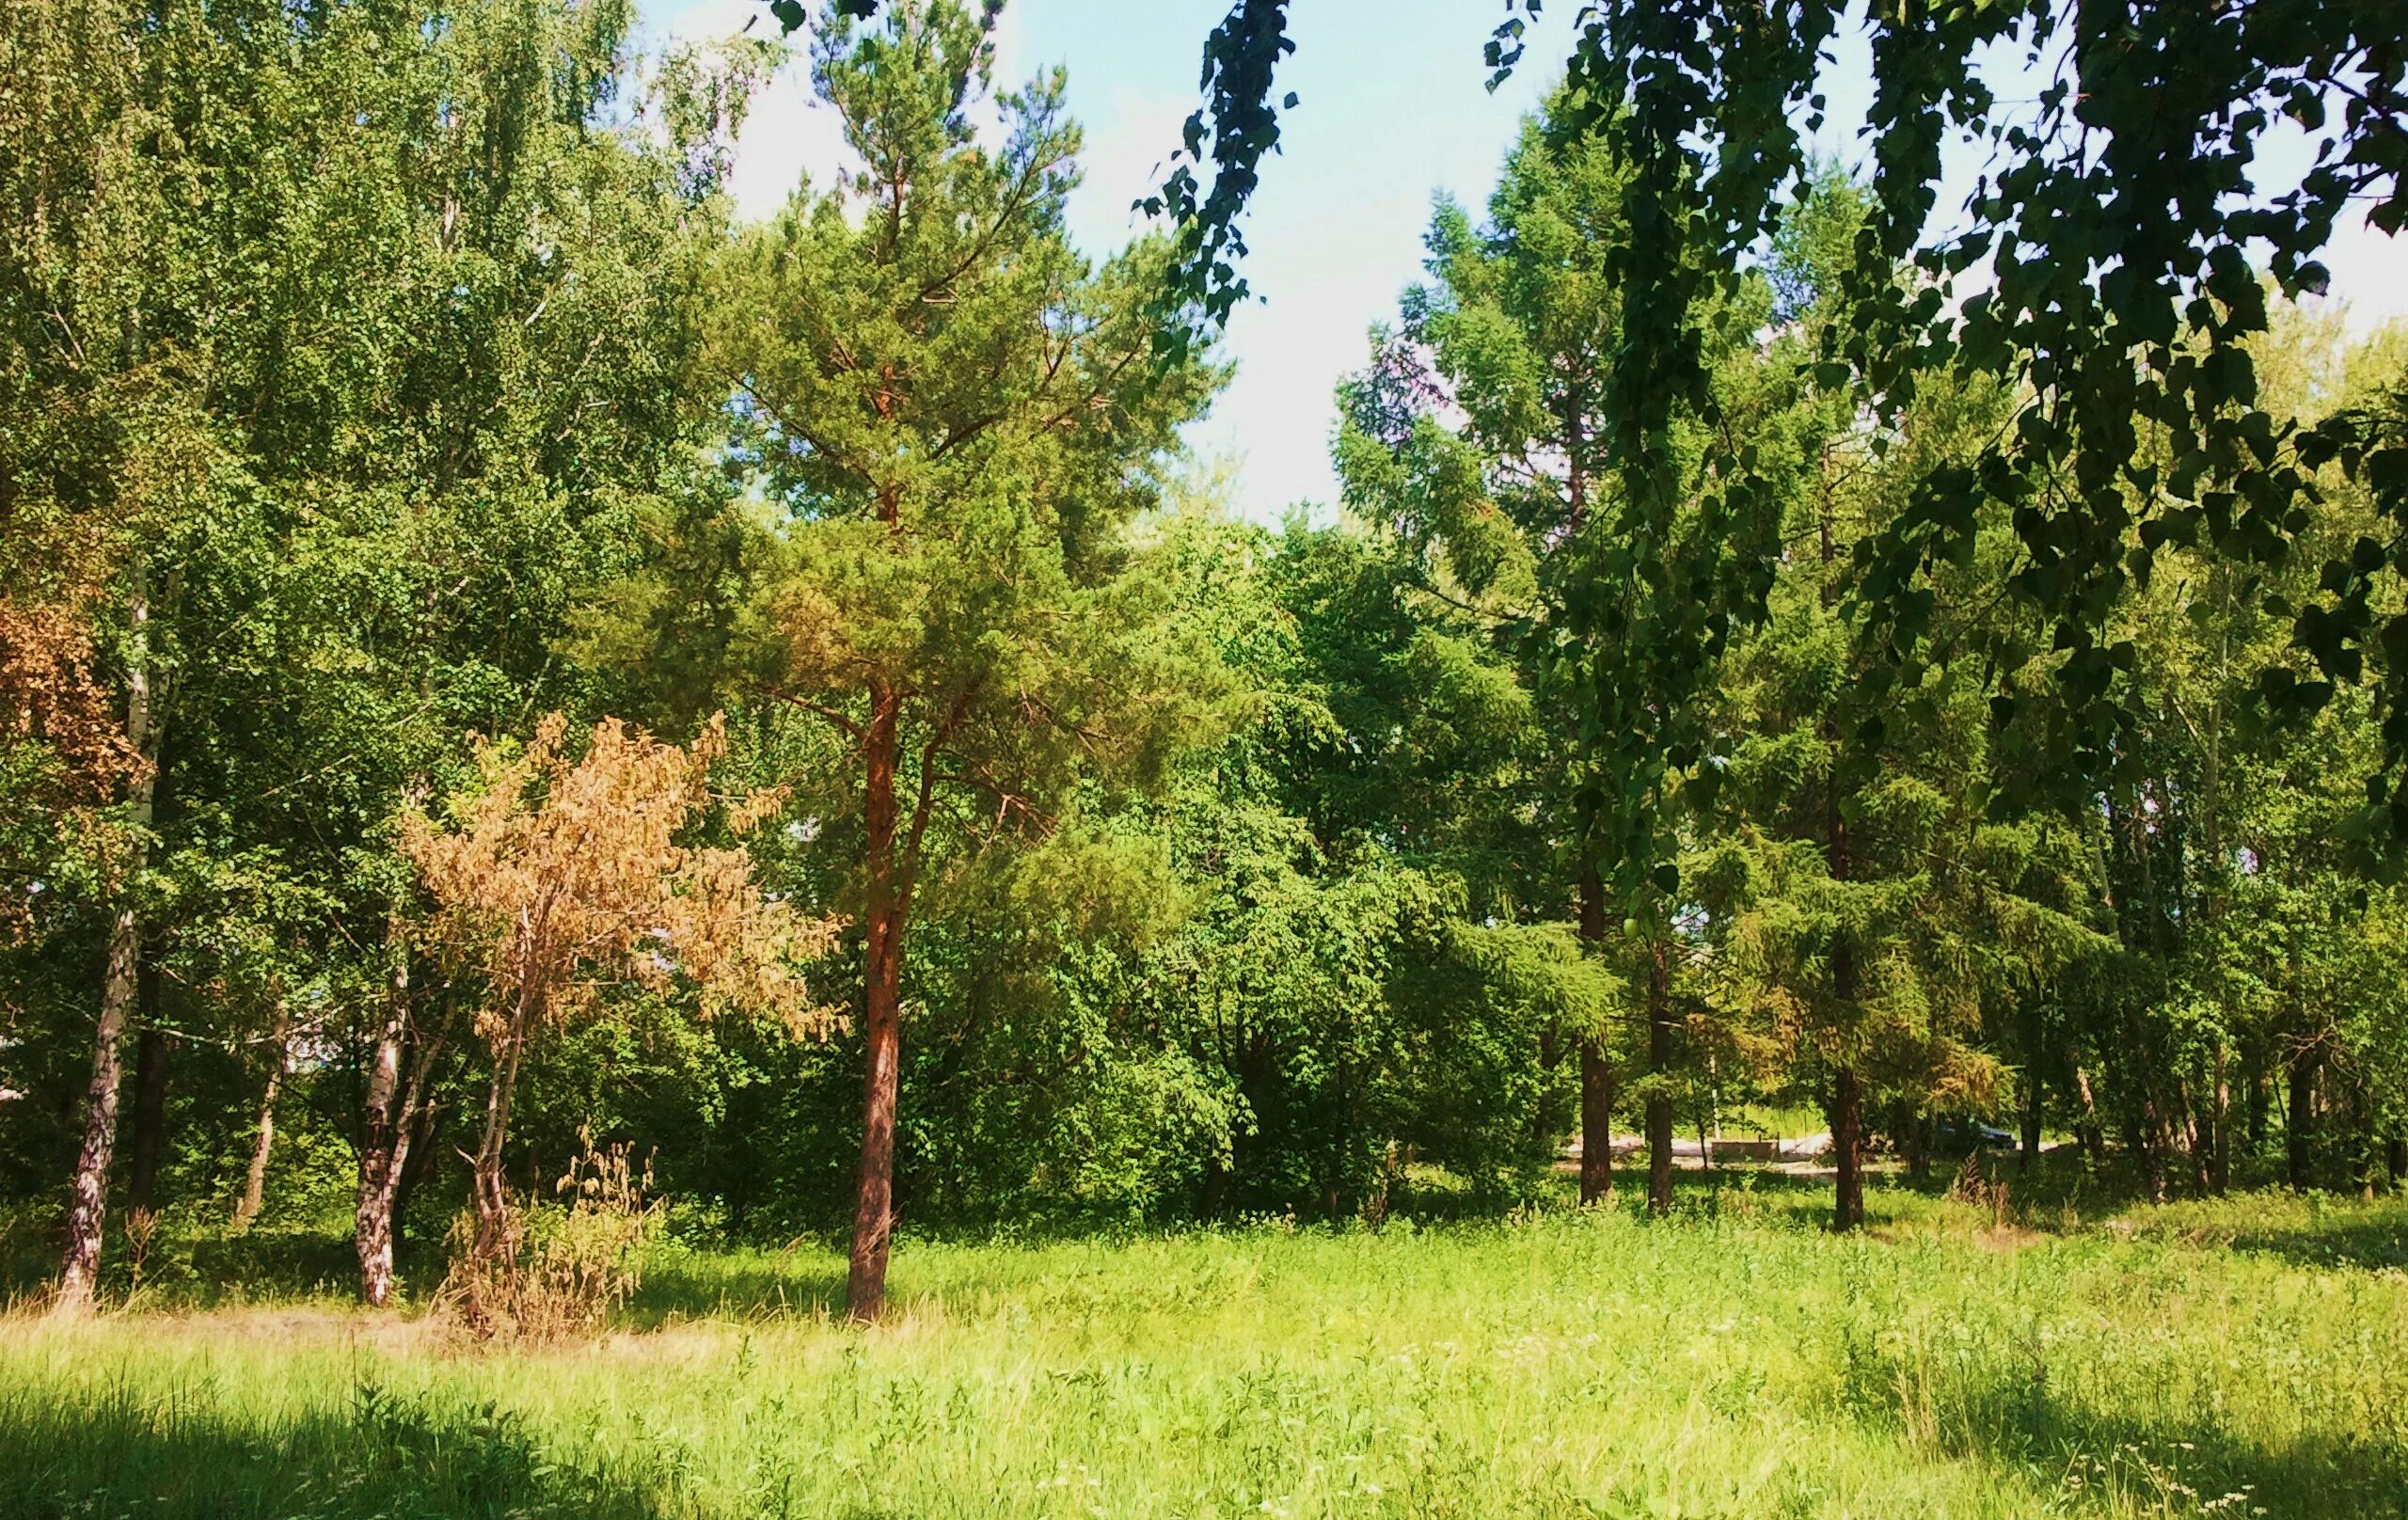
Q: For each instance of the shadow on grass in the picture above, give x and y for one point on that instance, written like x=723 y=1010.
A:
x=189 y=1266
x=769 y=1286
x=84 y=1454
x=2375 y=1242
x=2014 y=1424
x=2318 y=1232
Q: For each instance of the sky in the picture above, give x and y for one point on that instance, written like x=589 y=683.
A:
x=1393 y=111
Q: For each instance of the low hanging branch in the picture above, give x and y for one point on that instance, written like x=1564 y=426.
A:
x=557 y=881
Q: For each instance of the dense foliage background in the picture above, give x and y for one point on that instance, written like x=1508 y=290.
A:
x=376 y=372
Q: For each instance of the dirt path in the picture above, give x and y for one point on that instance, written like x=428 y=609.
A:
x=1802 y=1156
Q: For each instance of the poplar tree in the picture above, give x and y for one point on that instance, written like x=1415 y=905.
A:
x=956 y=415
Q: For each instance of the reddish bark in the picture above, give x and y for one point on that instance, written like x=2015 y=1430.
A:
x=881 y=1014
x=1596 y=1123
x=1847 y=1147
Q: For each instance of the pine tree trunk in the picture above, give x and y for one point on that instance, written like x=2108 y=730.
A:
x=1659 y=1065
x=1596 y=1123
x=1847 y=1094
x=881 y=1019
x=1847 y=1097
x=264 y=1141
x=79 y=1266
x=1847 y=1148
x=1596 y=1071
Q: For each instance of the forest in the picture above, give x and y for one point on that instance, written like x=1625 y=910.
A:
x=576 y=770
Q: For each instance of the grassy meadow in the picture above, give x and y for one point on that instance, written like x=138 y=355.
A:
x=2248 y=1358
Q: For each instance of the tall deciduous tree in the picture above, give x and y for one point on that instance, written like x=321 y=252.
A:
x=351 y=344
x=958 y=414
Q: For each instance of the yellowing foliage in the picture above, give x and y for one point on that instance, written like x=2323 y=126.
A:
x=561 y=878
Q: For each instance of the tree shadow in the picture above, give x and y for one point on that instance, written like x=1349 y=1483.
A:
x=2324 y=1235
x=186 y=1266
x=756 y=1287
x=2181 y=1464
x=180 y=1455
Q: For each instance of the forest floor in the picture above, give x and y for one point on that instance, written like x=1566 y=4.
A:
x=2247 y=1357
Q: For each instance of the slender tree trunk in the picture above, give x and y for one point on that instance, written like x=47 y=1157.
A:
x=2087 y=1130
x=2220 y=1126
x=264 y=1141
x=422 y=1156
x=2149 y=1144
x=489 y=1189
x=2028 y=1153
x=2258 y=1105
x=150 y=1118
x=1848 y=1093
x=2362 y=1144
x=79 y=1267
x=881 y=1018
x=2395 y=1159
x=385 y=1141
x=2299 y=1138
x=1659 y=1065
x=2200 y=1136
x=1596 y=1071
x=1550 y=1057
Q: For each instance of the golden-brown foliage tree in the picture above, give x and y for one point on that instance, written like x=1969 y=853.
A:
x=558 y=881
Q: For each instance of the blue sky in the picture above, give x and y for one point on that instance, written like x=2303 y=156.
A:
x=1393 y=110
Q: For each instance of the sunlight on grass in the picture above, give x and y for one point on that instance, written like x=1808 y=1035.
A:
x=2202 y=1359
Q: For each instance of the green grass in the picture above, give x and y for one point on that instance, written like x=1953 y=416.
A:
x=1734 y=1362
